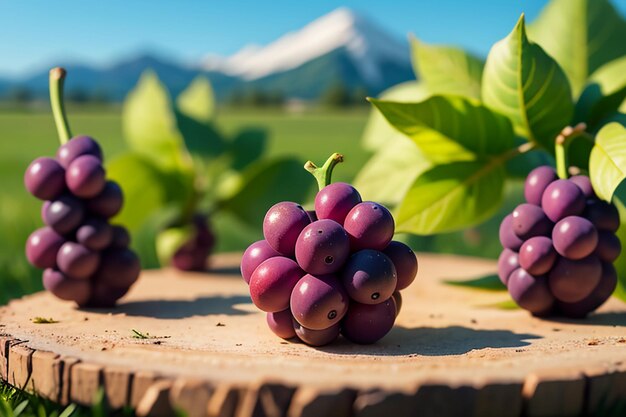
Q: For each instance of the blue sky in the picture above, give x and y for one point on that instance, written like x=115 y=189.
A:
x=35 y=33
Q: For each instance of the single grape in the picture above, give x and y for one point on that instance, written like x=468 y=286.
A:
x=42 y=247
x=335 y=201
x=536 y=182
x=609 y=246
x=508 y=238
x=316 y=337
x=312 y=215
x=572 y=280
x=256 y=254
x=95 y=234
x=104 y=296
x=318 y=302
x=64 y=214
x=76 y=261
x=530 y=221
x=397 y=299
x=529 y=292
x=507 y=263
x=370 y=226
x=603 y=215
x=574 y=237
x=44 y=208
x=537 y=255
x=121 y=238
x=584 y=183
x=322 y=247
x=281 y=323
x=65 y=288
x=598 y=296
x=108 y=203
x=85 y=176
x=562 y=198
x=45 y=178
x=78 y=146
x=119 y=268
x=272 y=282
x=405 y=262
x=282 y=226
x=367 y=323
x=369 y=276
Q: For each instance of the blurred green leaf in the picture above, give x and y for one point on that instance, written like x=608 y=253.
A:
x=248 y=146
x=452 y=196
x=168 y=241
x=524 y=83
x=488 y=283
x=607 y=163
x=620 y=263
x=503 y=305
x=198 y=100
x=582 y=35
x=446 y=69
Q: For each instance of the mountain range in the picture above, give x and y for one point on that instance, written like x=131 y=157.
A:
x=342 y=47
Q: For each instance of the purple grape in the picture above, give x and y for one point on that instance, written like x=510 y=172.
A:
x=322 y=247
x=584 y=183
x=282 y=226
x=370 y=226
x=281 y=323
x=44 y=208
x=603 y=215
x=367 y=323
x=405 y=262
x=316 y=337
x=369 y=277
x=507 y=263
x=530 y=221
x=572 y=280
x=108 y=203
x=204 y=235
x=574 y=237
x=119 y=268
x=45 y=178
x=65 y=288
x=536 y=182
x=529 y=292
x=272 y=282
x=85 y=176
x=256 y=254
x=77 y=146
x=192 y=255
x=537 y=255
x=598 y=296
x=562 y=198
x=312 y=215
x=121 y=238
x=335 y=201
x=64 y=214
x=318 y=302
x=42 y=247
x=103 y=296
x=397 y=299
x=76 y=261
x=95 y=234
x=508 y=238
x=609 y=246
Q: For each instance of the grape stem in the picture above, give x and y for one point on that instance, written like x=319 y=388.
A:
x=57 y=80
x=324 y=173
x=562 y=142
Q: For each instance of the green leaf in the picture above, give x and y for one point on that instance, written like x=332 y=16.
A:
x=503 y=305
x=168 y=241
x=489 y=283
x=607 y=163
x=524 y=83
x=448 y=128
x=603 y=94
x=452 y=196
x=582 y=35
x=446 y=69
x=620 y=263
x=198 y=100
x=248 y=146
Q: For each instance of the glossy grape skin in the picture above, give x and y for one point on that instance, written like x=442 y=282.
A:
x=603 y=215
x=507 y=263
x=370 y=226
x=574 y=237
x=78 y=146
x=119 y=268
x=281 y=323
x=537 y=255
x=85 y=176
x=529 y=292
x=530 y=221
x=598 y=296
x=257 y=253
x=609 y=247
x=369 y=277
x=121 y=237
x=572 y=280
x=316 y=337
x=76 y=261
x=42 y=247
x=64 y=214
x=282 y=225
x=508 y=238
x=65 y=288
x=108 y=202
x=322 y=247
x=397 y=299
x=45 y=178
x=405 y=262
x=95 y=234
x=272 y=282
x=366 y=323
x=562 y=198
x=318 y=302
x=584 y=183
x=335 y=201
x=536 y=182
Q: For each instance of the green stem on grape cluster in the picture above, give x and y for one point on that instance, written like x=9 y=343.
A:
x=57 y=80
x=324 y=173
x=562 y=142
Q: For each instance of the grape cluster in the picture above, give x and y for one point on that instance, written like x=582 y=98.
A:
x=329 y=271
x=559 y=246
x=192 y=255
x=85 y=259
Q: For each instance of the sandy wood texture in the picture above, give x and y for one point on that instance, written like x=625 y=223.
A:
x=209 y=353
